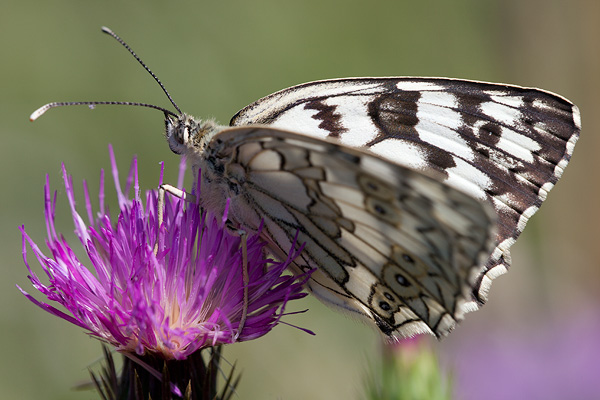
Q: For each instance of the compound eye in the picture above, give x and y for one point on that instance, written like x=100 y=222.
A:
x=179 y=136
x=176 y=133
x=181 y=133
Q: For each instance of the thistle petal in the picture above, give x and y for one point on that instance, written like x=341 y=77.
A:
x=188 y=296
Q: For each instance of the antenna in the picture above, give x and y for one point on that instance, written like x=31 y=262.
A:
x=40 y=111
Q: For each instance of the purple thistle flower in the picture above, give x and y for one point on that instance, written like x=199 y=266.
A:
x=188 y=296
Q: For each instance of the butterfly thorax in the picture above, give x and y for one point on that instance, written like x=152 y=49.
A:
x=220 y=180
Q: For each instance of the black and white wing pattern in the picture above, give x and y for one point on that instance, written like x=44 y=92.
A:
x=499 y=143
x=395 y=246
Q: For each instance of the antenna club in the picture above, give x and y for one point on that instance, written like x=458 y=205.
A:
x=38 y=113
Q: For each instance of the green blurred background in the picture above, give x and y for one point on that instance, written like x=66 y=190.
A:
x=216 y=57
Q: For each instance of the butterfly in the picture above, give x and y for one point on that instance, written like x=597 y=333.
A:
x=406 y=193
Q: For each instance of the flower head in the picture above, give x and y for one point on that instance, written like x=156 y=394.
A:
x=187 y=296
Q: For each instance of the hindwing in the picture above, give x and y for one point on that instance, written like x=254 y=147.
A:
x=390 y=244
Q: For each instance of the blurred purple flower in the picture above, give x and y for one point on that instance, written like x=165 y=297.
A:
x=556 y=360
x=186 y=297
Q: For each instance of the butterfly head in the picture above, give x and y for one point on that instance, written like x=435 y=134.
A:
x=186 y=134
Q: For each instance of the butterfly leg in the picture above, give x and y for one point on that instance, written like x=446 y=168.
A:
x=162 y=189
x=246 y=279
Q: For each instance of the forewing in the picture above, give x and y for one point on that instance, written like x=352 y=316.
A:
x=503 y=143
x=391 y=244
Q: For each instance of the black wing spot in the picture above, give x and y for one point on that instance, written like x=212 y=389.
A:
x=402 y=280
x=385 y=306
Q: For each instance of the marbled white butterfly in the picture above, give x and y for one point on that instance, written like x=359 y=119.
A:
x=406 y=193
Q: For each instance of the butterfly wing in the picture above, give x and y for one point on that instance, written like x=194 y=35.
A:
x=504 y=143
x=390 y=244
